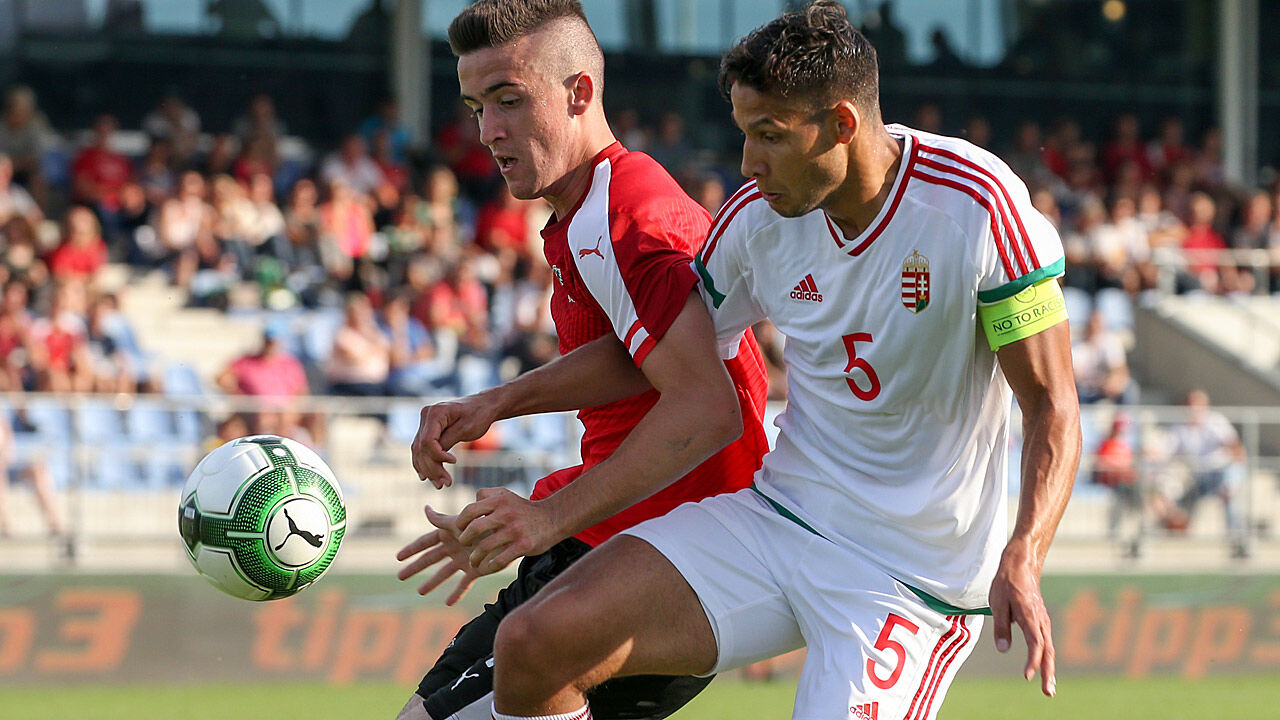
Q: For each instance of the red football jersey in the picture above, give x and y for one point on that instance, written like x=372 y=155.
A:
x=622 y=264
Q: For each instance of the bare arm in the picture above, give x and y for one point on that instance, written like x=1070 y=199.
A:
x=696 y=415
x=1039 y=371
x=597 y=373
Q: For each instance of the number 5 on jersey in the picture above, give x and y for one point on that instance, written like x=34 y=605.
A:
x=873 y=388
x=885 y=641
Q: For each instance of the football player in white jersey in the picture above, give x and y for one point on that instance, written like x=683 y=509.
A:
x=917 y=289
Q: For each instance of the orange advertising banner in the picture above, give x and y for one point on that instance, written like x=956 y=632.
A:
x=175 y=629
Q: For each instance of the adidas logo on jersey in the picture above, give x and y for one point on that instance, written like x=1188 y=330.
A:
x=806 y=290
x=866 y=711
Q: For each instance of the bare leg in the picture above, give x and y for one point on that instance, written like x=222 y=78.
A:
x=43 y=485
x=621 y=610
x=4 y=499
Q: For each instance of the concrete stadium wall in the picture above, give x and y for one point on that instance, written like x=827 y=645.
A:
x=176 y=629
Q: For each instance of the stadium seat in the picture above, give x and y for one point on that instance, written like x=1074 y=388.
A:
x=318 y=336
x=110 y=466
x=181 y=379
x=1116 y=307
x=97 y=421
x=402 y=421
x=1079 y=305
x=148 y=421
x=51 y=420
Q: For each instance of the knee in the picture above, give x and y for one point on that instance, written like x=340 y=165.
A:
x=534 y=637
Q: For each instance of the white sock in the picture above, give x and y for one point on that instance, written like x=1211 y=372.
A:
x=582 y=713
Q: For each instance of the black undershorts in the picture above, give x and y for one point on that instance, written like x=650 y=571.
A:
x=464 y=672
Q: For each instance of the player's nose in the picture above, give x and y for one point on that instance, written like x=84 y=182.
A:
x=751 y=164
x=491 y=129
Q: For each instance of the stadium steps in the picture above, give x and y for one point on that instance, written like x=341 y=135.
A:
x=1228 y=347
x=202 y=338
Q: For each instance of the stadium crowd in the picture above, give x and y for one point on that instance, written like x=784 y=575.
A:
x=427 y=276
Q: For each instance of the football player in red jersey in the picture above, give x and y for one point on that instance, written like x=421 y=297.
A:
x=620 y=244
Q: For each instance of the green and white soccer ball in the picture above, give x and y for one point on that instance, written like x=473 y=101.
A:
x=262 y=517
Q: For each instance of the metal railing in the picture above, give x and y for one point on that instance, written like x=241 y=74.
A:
x=122 y=484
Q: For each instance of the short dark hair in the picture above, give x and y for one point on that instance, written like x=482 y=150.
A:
x=812 y=52
x=493 y=23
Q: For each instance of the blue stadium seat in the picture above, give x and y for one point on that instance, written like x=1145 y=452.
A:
x=148 y=421
x=111 y=467
x=1079 y=305
x=180 y=379
x=97 y=421
x=51 y=420
x=318 y=335
x=188 y=426
x=1116 y=307
x=402 y=421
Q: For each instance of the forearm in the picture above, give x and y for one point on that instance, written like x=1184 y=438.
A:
x=596 y=373
x=1050 y=456
x=678 y=433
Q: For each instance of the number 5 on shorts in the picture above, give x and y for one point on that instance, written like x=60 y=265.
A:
x=885 y=642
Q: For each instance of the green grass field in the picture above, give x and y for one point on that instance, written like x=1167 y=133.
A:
x=1098 y=698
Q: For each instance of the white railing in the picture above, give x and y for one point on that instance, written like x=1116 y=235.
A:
x=119 y=465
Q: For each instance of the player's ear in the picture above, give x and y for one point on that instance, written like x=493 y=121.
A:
x=582 y=92
x=847 y=120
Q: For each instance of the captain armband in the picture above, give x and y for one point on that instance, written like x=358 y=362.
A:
x=1036 y=308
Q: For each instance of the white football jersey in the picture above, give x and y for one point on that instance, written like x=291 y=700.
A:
x=895 y=435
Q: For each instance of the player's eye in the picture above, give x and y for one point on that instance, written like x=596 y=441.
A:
x=509 y=102
x=769 y=138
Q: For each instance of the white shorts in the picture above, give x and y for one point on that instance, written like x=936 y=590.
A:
x=876 y=651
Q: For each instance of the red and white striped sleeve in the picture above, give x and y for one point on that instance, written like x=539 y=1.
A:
x=1022 y=247
x=636 y=266
x=725 y=276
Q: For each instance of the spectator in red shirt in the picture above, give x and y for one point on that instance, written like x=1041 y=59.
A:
x=466 y=156
x=393 y=171
x=99 y=173
x=1125 y=147
x=459 y=305
x=1170 y=148
x=82 y=252
x=1200 y=243
x=60 y=355
x=502 y=227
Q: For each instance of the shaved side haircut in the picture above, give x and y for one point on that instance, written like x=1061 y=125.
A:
x=493 y=23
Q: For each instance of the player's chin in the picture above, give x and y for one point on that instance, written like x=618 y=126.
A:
x=788 y=208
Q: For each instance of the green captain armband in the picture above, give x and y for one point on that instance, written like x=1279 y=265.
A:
x=1036 y=308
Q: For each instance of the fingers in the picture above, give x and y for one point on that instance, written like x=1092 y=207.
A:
x=448 y=523
x=1035 y=647
x=422 y=562
x=473 y=512
x=487 y=549
x=428 y=453
x=1000 y=621
x=1048 y=669
x=461 y=589
x=418 y=545
x=444 y=573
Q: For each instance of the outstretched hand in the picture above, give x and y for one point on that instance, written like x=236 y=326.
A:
x=1015 y=598
x=440 y=545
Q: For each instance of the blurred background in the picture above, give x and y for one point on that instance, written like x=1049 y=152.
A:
x=220 y=217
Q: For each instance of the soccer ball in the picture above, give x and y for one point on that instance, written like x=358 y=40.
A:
x=261 y=517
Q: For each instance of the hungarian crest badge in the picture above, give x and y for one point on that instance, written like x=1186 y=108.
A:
x=915 y=282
